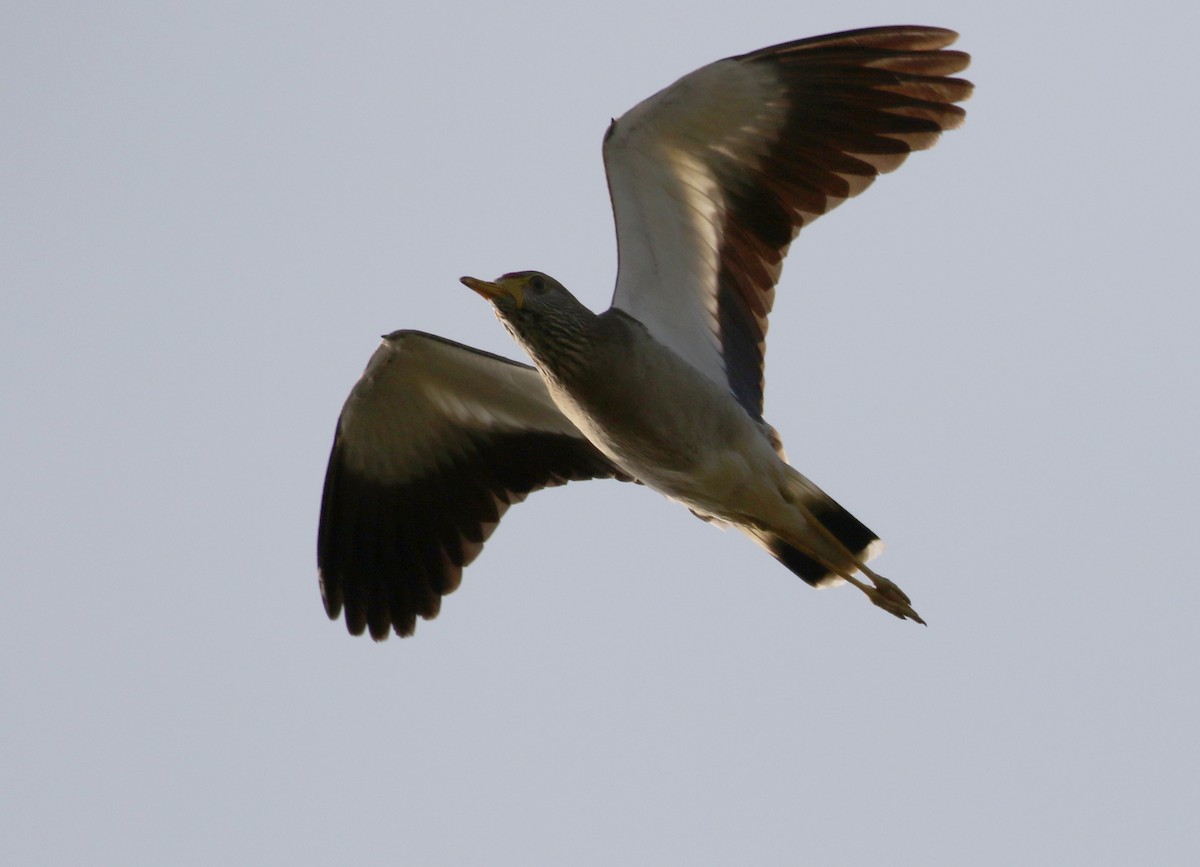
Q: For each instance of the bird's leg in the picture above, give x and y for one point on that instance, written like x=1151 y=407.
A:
x=884 y=593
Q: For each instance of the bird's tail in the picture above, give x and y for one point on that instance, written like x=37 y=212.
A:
x=822 y=554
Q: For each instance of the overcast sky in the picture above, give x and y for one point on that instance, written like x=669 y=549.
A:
x=210 y=212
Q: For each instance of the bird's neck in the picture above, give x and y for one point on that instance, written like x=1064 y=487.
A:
x=558 y=345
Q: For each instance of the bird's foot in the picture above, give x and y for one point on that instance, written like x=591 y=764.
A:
x=891 y=599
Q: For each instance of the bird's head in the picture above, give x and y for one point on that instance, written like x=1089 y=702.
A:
x=538 y=311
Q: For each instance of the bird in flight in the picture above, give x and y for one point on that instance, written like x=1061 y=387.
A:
x=710 y=179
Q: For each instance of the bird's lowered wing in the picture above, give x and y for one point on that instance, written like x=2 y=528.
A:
x=712 y=177
x=434 y=443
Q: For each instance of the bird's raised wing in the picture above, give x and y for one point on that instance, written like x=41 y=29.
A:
x=712 y=177
x=433 y=445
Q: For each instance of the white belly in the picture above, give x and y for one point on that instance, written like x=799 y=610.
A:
x=682 y=434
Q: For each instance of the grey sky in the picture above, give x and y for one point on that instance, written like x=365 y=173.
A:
x=212 y=210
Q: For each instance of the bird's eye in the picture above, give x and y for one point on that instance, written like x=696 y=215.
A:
x=537 y=283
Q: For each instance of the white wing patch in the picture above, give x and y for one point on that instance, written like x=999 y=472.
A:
x=669 y=205
x=420 y=399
